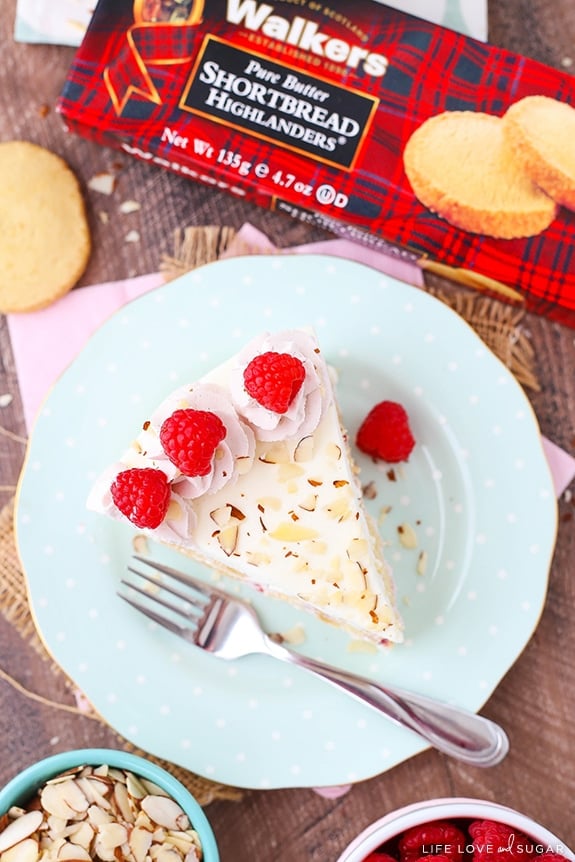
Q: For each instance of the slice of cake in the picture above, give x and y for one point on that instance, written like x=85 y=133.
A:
x=248 y=470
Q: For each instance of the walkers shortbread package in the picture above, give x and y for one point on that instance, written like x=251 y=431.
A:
x=356 y=117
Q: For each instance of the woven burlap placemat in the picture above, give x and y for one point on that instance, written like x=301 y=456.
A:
x=499 y=325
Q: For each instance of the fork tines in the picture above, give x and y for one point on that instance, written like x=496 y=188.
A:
x=206 y=590
x=191 y=605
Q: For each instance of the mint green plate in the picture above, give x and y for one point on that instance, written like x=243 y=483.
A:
x=477 y=492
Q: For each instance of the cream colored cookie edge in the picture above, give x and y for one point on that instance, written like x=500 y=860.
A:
x=548 y=176
x=12 y=299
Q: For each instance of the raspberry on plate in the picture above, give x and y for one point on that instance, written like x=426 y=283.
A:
x=142 y=494
x=385 y=433
x=274 y=380
x=190 y=438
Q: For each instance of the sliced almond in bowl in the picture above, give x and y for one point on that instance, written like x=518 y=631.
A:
x=96 y=813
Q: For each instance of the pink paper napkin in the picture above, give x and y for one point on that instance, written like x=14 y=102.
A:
x=45 y=342
x=561 y=464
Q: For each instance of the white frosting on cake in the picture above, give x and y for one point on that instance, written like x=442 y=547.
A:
x=282 y=507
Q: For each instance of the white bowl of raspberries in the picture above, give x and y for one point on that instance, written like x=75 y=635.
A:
x=456 y=830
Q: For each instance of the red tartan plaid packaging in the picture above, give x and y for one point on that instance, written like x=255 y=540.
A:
x=324 y=111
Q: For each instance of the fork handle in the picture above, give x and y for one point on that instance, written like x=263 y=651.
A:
x=455 y=731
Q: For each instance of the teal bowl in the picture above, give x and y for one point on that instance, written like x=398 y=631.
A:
x=23 y=786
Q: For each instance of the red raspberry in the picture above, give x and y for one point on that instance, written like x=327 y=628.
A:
x=379 y=856
x=495 y=841
x=438 y=839
x=274 y=380
x=142 y=494
x=385 y=433
x=190 y=438
x=434 y=857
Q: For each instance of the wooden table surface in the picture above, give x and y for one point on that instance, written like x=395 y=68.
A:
x=536 y=699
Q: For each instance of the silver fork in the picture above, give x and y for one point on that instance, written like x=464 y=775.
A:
x=228 y=627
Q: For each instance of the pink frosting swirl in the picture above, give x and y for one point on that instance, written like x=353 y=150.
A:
x=307 y=408
x=233 y=455
x=179 y=523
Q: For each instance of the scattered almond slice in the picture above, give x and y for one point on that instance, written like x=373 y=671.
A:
x=228 y=539
x=295 y=636
x=304 y=449
x=356 y=646
x=103 y=183
x=127 y=207
x=407 y=536
x=309 y=503
x=221 y=515
x=333 y=451
x=140 y=544
x=338 y=509
x=421 y=567
x=243 y=464
x=370 y=491
x=383 y=513
x=276 y=453
x=290 y=532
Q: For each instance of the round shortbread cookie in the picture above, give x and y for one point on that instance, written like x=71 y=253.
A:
x=541 y=132
x=44 y=234
x=460 y=167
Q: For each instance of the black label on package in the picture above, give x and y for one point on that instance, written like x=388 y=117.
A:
x=278 y=103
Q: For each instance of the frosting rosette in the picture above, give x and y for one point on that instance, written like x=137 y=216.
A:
x=309 y=403
x=233 y=455
x=180 y=519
